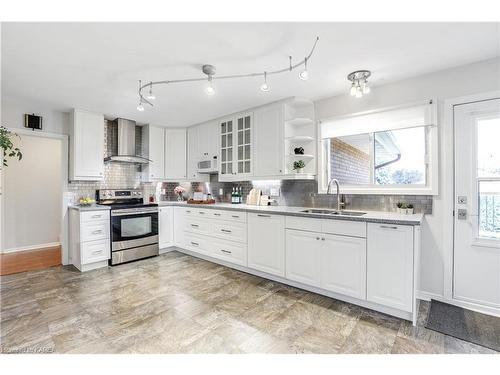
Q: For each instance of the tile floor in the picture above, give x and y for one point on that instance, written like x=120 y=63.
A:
x=176 y=303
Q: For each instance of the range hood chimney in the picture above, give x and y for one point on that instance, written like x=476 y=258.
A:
x=126 y=144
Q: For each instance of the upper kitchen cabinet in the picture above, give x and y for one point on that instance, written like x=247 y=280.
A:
x=175 y=154
x=203 y=149
x=86 y=157
x=154 y=150
x=236 y=142
x=268 y=141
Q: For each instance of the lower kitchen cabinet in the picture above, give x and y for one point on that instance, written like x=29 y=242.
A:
x=166 y=227
x=266 y=243
x=343 y=265
x=303 y=256
x=390 y=265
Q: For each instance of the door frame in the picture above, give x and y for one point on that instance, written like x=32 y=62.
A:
x=448 y=192
x=63 y=234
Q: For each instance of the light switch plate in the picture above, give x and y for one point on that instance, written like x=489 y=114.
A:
x=462 y=199
x=462 y=214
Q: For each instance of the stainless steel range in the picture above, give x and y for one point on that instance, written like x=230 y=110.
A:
x=134 y=225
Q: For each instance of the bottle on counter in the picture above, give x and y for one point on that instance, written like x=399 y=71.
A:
x=233 y=196
x=240 y=196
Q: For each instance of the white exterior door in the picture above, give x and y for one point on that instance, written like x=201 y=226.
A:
x=476 y=256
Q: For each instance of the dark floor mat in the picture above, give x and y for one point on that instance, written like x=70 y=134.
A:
x=464 y=324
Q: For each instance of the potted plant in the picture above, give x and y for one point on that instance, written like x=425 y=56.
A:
x=409 y=209
x=401 y=207
x=179 y=190
x=9 y=151
x=298 y=166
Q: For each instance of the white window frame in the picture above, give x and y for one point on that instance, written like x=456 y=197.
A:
x=432 y=177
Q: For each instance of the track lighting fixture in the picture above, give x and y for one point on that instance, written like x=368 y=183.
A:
x=265 y=87
x=359 y=86
x=304 y=75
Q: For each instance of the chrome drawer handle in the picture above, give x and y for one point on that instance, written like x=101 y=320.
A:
x=225 y=230
x=226 y=251
x=388 y=227
x=260 y=215
x=217 y=214
x=235 y=216
x=195 y=243
x=97 y=231
x=195 y=225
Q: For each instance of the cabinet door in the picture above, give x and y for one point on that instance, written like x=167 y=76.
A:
x=343 y=265
x=243 y=150
x=268 y=141
x=226 y=148
x=266 y=243
x=166 y=227
x=303 y=256
x=193 y=138
x=390 y=265
x=156 y=153
x=175 y=155
x=87 y=146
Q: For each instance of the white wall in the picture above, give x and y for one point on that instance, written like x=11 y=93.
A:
x=464 y=80
x=32 y=194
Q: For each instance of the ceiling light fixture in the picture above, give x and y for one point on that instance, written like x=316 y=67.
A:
x=304 y=75
x=209 y=71
x=359 y=86
x=265 y=87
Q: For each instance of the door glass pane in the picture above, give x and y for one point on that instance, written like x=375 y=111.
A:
x=247 y=167
x=223 y=127
x=240 y=167
x=230 y=168
x=223 y=141
x=137 y=226
x=223 y=168
x=229 y=140
x=229 y=126
x=247 y=122
x=240 y=138
x=240 y=153
x=488 y=149
x=230 y=154
x=240 y=124
x=247 y=152
x=223 y=155
x=400 y=157
x=247 y=136
x=489 y=209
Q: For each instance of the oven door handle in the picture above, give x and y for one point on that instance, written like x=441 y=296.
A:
x=129 y=213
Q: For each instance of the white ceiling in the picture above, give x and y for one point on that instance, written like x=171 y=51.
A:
x=96 y=66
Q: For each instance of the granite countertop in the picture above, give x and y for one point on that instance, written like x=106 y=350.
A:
x=370 y=216
x=93 y=207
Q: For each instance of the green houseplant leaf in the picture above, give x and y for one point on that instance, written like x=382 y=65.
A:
x=8 y=149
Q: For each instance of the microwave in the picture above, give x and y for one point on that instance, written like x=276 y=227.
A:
x=207 y=165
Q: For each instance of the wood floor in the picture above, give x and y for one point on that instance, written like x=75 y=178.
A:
x=176 y=303
x=22 y=261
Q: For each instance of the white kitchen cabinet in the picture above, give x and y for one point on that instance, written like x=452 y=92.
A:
x=202 y=145
x=268 y=157
x=390 y=265
x=86 y=150
x=175 y=154
x=266 y=243
x=165 y=227
x=154 y=150
x=236 y=143
x=343 y=265
x=303 y=257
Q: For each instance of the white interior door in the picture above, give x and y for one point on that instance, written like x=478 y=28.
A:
x=477 y=203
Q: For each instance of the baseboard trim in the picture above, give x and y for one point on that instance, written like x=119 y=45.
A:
x=31 y=247
x=488 y=310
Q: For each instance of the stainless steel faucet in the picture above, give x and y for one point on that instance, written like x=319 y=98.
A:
x=338 y=192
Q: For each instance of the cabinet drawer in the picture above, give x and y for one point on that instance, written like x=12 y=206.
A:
x=234 y=216
x=90 y=216
x=231 y=231
x=229 y=251
x=94 y=231
x=344 y=227
x=95 y=251
x=303 y=223
x=197 y=226
x=197 y=243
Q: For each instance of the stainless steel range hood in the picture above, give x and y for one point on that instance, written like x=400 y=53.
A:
x=126 y=144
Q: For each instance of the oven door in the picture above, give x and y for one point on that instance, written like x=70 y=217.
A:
x=133 y=229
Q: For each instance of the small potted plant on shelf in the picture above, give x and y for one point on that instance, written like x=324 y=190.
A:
x=409 y=209
x=179 y=190
x=298 y=166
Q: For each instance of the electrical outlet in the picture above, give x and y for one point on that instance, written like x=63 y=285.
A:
x=274 y=192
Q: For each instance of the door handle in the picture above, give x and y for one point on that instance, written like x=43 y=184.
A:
x=226 y=251
x=195 y=243
x=260 y=215
x=388 y=227
x=195 y=225
x=225 y=230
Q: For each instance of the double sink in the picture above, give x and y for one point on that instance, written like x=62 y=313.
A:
x=333 y=212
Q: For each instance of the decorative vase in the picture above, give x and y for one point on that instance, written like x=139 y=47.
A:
x=180 y=198
x=299 y=170
x=409 y=211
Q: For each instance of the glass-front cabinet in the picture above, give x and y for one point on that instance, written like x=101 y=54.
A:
x=236 y=147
